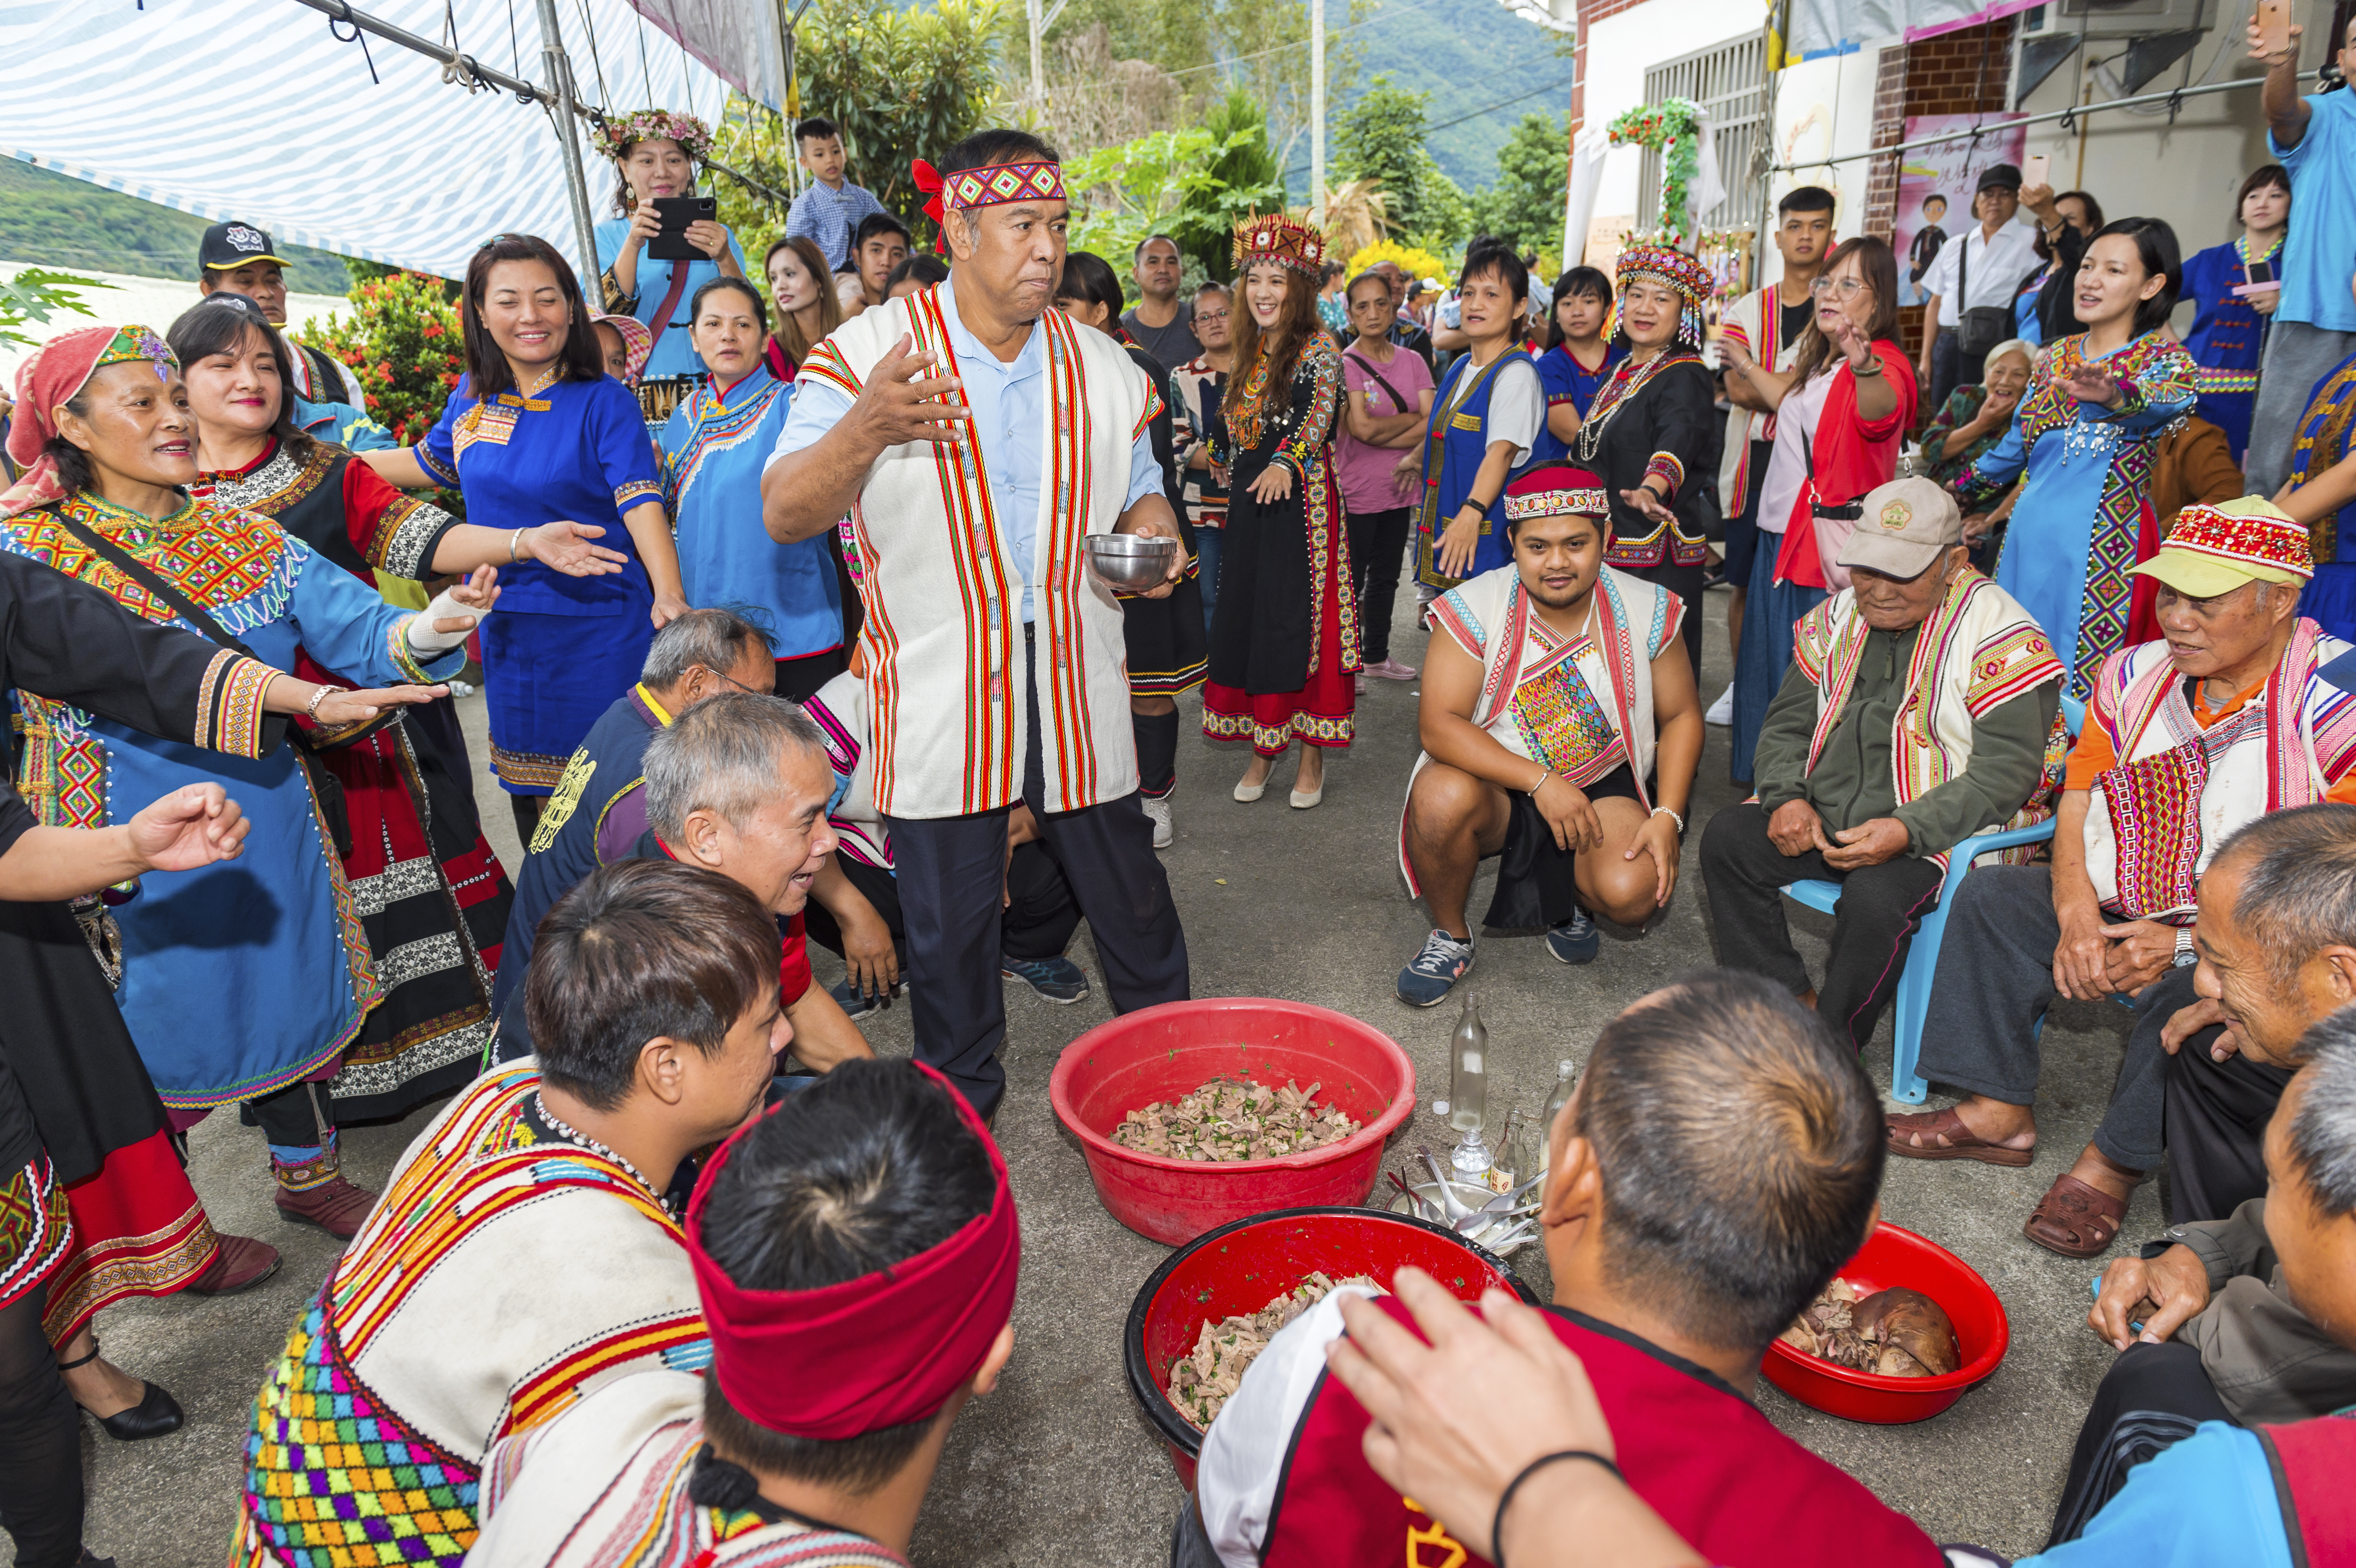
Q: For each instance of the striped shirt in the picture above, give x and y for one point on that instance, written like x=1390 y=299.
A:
x=831 y=217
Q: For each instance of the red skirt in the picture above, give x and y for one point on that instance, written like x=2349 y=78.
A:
x=138 y=1230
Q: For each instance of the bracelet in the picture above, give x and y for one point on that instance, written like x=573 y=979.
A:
x=1872 y=366
x=311 y=708
x=1497 y=1524
x=513 y=539
x=1673 y=817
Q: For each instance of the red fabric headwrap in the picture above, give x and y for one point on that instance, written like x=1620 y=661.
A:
x=50 y=376
x=929 y=183
x=877 y=1352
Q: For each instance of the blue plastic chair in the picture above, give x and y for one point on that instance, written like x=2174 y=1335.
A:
x=1914 y=999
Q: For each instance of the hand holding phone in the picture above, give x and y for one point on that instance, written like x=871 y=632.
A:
x=2037 y=169
x=2272 y=28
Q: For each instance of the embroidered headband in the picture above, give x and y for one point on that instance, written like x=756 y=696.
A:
x=1692 y=282
x=998 y=184
x=1556 y=490
x=884 y=1349
x=693 y=137
x=2215 y=549
x=52 y=375
x=1287 y=242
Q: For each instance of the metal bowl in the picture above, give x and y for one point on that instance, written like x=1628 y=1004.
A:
x=1132 y=563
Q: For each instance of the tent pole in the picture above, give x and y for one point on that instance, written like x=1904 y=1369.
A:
x=560 y=76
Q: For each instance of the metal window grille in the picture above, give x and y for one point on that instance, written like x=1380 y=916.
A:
x=1729 y=81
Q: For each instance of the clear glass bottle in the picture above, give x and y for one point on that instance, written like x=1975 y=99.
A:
x=1565 y=1079
x=1467 y=1090
x=1506 y=1165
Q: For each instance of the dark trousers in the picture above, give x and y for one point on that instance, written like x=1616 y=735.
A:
x=1038 y=923
x=952 y=876
x=1952 y=367
x=798 y=679
x=2217 y=1115
x=2151 y=1399
x=40 y=1442
x=1377 y=545
x=1872 y=926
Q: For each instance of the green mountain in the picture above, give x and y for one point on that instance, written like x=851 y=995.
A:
x=59 y=222
x=1468 y=55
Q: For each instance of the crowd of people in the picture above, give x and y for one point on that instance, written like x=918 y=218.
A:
x=797 y=638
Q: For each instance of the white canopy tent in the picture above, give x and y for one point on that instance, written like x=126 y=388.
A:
x=257 y=111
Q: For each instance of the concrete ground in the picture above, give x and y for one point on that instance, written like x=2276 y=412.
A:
x=1058 y=1466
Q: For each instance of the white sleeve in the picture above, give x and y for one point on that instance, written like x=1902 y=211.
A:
x=1941 y=278
x=1243 y=1453
x=1516 y=408
x=816 y=406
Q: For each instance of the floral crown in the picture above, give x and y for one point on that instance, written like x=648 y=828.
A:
x=693 y=137
x=1287 y=242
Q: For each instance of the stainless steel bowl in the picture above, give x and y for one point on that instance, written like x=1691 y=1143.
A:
x=1132 y=563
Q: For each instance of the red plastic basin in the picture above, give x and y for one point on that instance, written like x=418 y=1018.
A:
x=1240 y=1268
x=1894 y=1255
x=1161 y=1053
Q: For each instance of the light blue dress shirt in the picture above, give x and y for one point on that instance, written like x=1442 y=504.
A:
x=2322 y=238
x=1009 y=418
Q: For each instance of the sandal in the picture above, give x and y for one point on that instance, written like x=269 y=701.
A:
x=2075 y=1220
x=1944 y=1136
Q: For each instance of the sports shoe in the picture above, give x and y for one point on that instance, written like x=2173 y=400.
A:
x=1158 y=810
x=336 y=1206
x=1391 y=669
x=1444 y=961
x=857 y=1003
x=1722 y=710
x=241 y=1263
x=1576 y=940
x=1058 y=979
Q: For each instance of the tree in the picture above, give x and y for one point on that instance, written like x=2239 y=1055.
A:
x=1525 y=206
x=1166 y=182
x=1265 y=44
x=1381 y=138
x=35 y=295
x=1250 y=181
x=404 y=343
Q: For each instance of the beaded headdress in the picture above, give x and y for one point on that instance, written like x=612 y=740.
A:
x=1686 y=274
x=1556 y=490
x=693 y=137
x=2245 y=539
x=1287 y=242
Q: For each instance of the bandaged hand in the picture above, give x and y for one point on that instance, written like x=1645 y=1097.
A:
x=454 y=615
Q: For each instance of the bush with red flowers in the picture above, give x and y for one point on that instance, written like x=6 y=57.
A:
x=403 y=342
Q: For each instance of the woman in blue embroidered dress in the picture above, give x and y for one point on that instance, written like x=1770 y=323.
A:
x=1579 y=357
x=2085 y=433
x=2229 y=330
x=713 y=451
x=243 y=981
x=657 y=151
x=537 y=433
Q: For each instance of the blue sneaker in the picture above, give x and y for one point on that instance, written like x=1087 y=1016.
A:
x=1444 y=961
x=1576 y=940
x=1058 y=979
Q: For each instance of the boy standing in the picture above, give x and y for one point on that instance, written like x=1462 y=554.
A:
x=831 y=209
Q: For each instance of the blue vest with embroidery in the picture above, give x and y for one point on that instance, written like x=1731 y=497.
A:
x=1453 y=447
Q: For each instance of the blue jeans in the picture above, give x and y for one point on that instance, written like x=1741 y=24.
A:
x=1206 y=552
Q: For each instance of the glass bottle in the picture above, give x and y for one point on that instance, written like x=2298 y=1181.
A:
x=1565 y=1079
x=1510 y=1166
x=1467 y=1090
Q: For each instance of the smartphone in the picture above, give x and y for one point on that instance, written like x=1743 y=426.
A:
x=2037 y=169
x=2274 y=25
x=676 y=212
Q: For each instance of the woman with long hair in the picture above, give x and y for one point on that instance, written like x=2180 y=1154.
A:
x=2229 y=328
x=1841 y=415
x=2097 y=409
x=801 y=295
x=535 y=434
x=1284 y=634
x=654 y=153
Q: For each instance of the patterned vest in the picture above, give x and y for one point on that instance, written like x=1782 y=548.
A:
x=1454 y=446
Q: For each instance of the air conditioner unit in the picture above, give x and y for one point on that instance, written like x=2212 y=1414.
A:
x=2115 y=19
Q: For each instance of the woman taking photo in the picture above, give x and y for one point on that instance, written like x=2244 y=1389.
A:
x=536 y=434
x=714 y=449
x=1577 y=359
x=656 y=152
x=2097 y=408
x=2229 y=330
x=242 y=983
x=1652 y=431
x=1841 y=415
x=807 y=308
x=1166 y=644
x=1388 y=401
x=1284 y=634
x=1485 y=419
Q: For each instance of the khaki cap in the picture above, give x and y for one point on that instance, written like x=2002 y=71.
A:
x=1908 y=525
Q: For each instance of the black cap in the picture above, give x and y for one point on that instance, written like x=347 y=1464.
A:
x=234 y=244
x=2001 y=176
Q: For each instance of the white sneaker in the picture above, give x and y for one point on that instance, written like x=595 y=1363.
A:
x=1158 y=810
x=1722 y=710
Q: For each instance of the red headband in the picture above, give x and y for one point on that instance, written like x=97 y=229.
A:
x=881 y=1350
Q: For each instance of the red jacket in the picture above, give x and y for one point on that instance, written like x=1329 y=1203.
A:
x=1851 y=456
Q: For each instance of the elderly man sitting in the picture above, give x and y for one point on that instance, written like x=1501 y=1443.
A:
x=739 y=784
x=1916 y=714
x=2235 y=714
x=1684 y=1230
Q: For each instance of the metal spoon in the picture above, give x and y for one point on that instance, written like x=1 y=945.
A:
x=1516 y=1235
x=1413 y=1197
x=1450 y=1203
x=1505 y=1203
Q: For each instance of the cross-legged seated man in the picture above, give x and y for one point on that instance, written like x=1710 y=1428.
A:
x=1717 y=1163
x=856 y=1251
x=527 y=1250
x=1560 y=731
x=2235 y=714
x=1916 y=713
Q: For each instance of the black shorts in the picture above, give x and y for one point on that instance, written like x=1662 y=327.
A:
x=1535 y=886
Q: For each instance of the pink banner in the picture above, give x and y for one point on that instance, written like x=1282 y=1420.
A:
x=1935 y=185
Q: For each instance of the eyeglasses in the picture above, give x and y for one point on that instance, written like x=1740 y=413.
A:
x=1211 y=315
x=1847 y=288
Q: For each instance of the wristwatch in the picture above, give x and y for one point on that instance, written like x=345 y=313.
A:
x=2184 y=953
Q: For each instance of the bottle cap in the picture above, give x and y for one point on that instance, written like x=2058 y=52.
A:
x=1440 y=1107
x=1563 y=1069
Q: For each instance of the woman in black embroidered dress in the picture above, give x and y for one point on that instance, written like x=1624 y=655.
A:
x=1284 y=631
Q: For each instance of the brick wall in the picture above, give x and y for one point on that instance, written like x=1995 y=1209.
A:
x=1961 y=72
x=1590 y=13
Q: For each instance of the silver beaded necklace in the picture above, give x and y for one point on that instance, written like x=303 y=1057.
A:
x=572 y=1134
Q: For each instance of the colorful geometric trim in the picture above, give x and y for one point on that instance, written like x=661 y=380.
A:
x=443 y=474
x=1669 y=466
x=35 y=1227
x=1557 y=504
x=237 y=711
x=997 y=185
x=2214 y=382
x=637 y=490
x=1270 y=740
x=531 y=771
x=1287 y=242
x=2243 y=538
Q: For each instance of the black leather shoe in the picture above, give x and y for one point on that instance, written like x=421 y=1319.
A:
x=156 y=1414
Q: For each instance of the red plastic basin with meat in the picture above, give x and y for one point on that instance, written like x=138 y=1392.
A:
x=1163 y=1052
x=1237 y=1269
x=1895 y=1255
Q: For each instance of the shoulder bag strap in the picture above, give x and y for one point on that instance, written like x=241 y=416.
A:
x=669 y=304
x=1963 y=285
x=124 y=562
x=1407 y=406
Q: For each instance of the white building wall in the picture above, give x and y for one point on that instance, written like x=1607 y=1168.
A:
x=1619 y=51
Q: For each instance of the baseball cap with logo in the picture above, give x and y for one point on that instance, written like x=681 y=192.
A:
x=1907 y=524
x=234 y=244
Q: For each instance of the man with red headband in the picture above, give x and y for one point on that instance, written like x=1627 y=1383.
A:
x=856 y=1253
x=977 y=440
